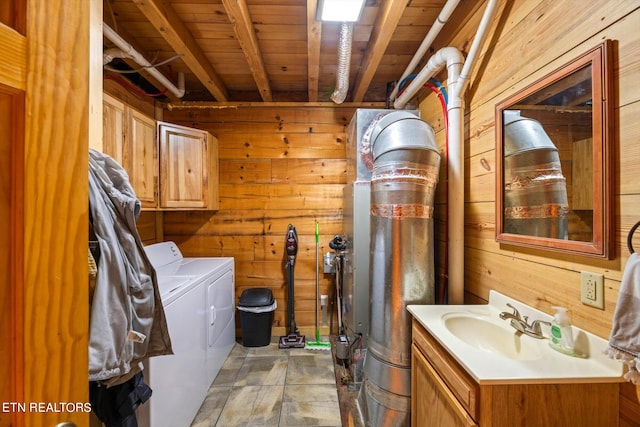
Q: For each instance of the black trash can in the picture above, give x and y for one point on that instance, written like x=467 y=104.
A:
x=256 y=308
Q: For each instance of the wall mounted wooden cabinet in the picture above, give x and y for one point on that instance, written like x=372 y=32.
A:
x=113 y=128
x=443 y=393
x=142 y=161
x=188 y=168
x=129 y=136
x=171 y=167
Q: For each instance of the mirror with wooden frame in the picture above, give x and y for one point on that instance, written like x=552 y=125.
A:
x=553 y=156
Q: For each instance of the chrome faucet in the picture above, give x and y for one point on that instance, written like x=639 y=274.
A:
x=536 y=330
x=517 y=321
x=520 y=323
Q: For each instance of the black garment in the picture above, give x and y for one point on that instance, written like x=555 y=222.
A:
x=115 y=406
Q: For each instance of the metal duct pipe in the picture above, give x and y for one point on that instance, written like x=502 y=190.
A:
x=130 y=52
x=344 y=63
x=535 y=190
x=403 y=183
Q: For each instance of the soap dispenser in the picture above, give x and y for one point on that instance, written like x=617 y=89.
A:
x=561 y=334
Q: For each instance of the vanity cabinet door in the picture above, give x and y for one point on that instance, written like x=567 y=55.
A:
x=432 y=403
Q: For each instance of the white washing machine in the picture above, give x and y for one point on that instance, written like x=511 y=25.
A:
x=198 y=296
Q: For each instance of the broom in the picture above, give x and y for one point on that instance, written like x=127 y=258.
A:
x=317 y=344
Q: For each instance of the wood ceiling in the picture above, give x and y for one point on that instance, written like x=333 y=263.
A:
x=274 y=50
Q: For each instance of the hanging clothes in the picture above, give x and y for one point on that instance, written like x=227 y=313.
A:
x=115 y=406
x=127 y=321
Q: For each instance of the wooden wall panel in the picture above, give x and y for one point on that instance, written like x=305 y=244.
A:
x=278 y=166
x=543 y=35
x=149 y=225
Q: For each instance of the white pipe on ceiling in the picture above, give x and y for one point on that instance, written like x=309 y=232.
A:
x=457 y=82
x=130 y=52
x=442 y=19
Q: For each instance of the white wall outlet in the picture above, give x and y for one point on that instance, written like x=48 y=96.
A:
x=592 y=289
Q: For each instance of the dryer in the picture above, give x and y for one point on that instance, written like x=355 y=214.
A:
x=198 y=297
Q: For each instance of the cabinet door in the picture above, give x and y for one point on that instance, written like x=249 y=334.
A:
x=184 y=167
x=113 y=128
x=432 y=403
x=142 y=164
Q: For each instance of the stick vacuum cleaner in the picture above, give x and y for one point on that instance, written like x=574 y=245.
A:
x=294 y=339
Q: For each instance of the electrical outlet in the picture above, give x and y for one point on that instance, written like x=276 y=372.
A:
x=592 y=289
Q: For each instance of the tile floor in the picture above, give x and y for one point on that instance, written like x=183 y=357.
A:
x=268 y=386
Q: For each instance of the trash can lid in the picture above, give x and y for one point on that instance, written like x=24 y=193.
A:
x=256 y=297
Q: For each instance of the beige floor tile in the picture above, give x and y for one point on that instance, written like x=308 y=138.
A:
x=310 y=369
x=238 y=351
x=212 y=407
x=310 y=405
x=267 y=350
x=229 y=371
x=252 y=406
x=268 y=370
x=269 y=386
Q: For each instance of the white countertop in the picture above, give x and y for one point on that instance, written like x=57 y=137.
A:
x=539 y=364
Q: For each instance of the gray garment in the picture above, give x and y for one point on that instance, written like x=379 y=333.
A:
x=127 y=321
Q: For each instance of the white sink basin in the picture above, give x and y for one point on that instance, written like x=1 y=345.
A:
x=498 y=339
x=493 y=352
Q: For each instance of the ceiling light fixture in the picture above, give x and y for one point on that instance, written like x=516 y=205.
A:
x=339 y=10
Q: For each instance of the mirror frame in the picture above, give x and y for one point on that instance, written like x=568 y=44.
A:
x=600 y=58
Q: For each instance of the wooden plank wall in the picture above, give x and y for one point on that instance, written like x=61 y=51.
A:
x=278 y=166
x=530 y=39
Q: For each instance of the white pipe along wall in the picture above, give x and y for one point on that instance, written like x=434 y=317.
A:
x=442 y=19
x=457 y=81
x=130 y=52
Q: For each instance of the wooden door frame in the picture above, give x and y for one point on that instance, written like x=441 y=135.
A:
x=46 y=73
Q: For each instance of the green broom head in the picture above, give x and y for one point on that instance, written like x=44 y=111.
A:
x=317 y=344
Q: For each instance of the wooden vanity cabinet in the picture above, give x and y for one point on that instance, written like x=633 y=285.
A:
x=443 y=394
x=188 y=168
x=437 y=405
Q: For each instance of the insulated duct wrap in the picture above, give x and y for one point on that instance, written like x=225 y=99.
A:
x=535 y=190
x=344 y=63
x=403 y=183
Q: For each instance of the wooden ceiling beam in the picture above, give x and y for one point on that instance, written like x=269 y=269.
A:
x=314 y=36
x=386 y=22
x=170 y=26
x=203 y=105
x=239 y=15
